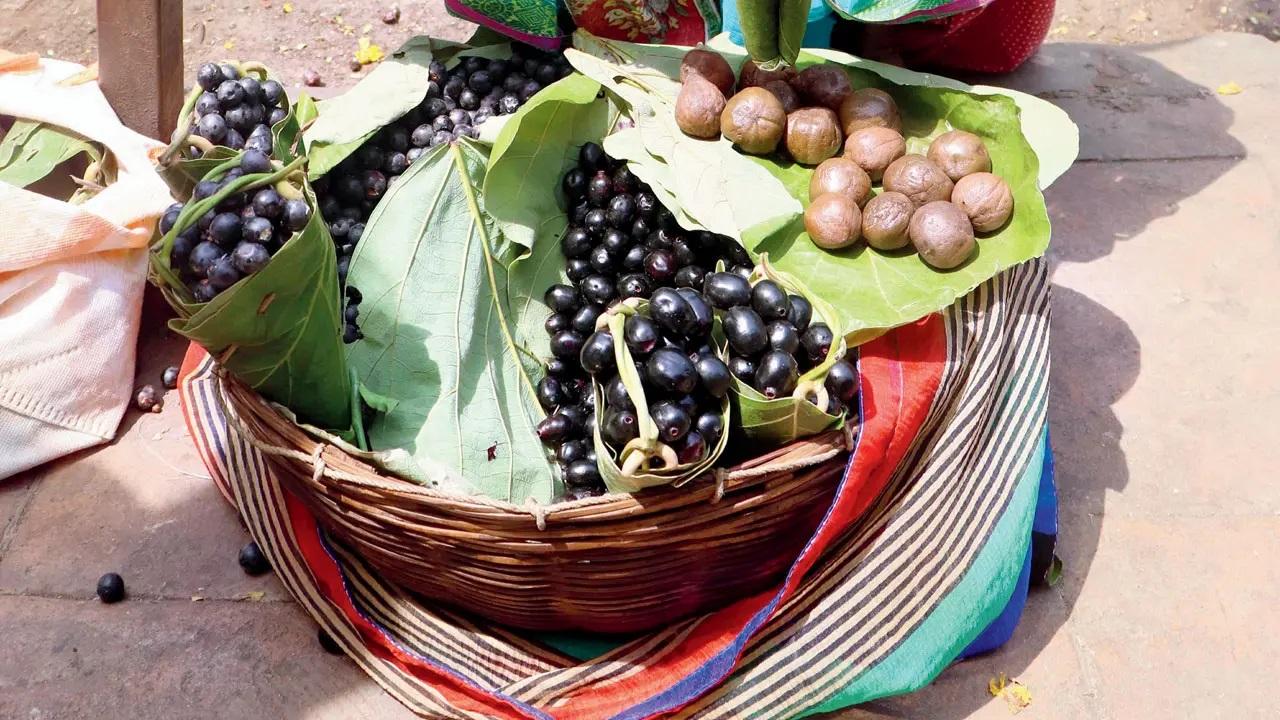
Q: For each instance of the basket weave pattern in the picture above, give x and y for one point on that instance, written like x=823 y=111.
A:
x=614 y=564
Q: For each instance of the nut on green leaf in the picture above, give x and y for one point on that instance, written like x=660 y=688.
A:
x=813 y=135
x=698 y=107
x=754 y=121
x=711 y=66
x=833 y=221
x=869 y=107
x=842 y=176
x=942 y=234
x=752 y=75
x=823 y=85
x=874 y=148
x=959 y=153
x=985 y=198
x=785 y=94
x=885 y=220
x=919 y=179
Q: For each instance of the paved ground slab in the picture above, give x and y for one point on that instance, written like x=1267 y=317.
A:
x=1165 y=260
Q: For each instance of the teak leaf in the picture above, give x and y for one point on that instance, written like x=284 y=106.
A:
x=439 y=330
x=32 y=150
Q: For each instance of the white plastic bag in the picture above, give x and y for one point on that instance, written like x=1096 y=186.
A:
x=71 y=277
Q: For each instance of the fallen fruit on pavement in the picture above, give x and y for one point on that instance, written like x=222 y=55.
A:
x=252 y=561
x=148 y=399
x=170 y=377
x=111 y=588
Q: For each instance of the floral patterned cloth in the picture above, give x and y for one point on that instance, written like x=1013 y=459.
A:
x=675 y=22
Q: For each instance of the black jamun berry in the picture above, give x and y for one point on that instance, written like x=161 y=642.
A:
x=253 y=561
x=111 y=588
x=671 y=371
x=745 y=331
x=726 y=290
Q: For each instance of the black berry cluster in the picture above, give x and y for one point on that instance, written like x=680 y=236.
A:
x=237 y=111
x=773 y=339
x=621 y=243
x=236 y=238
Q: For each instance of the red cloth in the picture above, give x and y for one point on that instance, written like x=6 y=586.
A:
x=996 y=38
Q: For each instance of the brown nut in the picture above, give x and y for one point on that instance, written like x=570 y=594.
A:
x=869 y=107
x=918 y=178
x=698 y=108
x=785 y=94
x=874 y=148
x=842 y=176
x=941 y=232
x=959 y=153
x=813 y=135
x=823 y=85
x=885 y=220
x=985 y=198
x=754 y=121
x=710 y=65
x=753 y=75
x=833 y=221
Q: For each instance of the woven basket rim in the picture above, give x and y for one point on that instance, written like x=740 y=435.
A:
x=334 y=463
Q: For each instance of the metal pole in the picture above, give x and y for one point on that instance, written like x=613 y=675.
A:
x=140 y=62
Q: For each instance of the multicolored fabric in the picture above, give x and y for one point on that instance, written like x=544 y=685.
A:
x=673 y=22
x=922 y=548
x=898 y=11
x=535 y=22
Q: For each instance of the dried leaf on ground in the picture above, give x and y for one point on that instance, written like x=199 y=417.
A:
x=1015 y=694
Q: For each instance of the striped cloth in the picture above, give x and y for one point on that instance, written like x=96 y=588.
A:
x=922 y=549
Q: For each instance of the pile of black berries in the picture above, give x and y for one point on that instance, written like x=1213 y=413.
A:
x=239 y=236
x=237 y=111
x=622 y=243
x=773 y=339
x=457 y=102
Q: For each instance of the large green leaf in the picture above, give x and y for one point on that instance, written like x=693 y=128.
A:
x=278 y=330
x=31 y=150
x=439 y=318
x=713 y=185
x=390 y=90
x=535 y=147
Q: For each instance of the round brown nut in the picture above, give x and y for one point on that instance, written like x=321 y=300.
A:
x=941 y=233
x=874 y=148
x=710 y=65
x=986 y=199
x=885 y=220
x=959 y=153
x=785 y=94
x=754 y=121
x=833 y=221
x=753 y=75
x=823 y=85
x=869 y=107
x=843 y=176
x=813 y=135
x=918 y=178
x=698 y=108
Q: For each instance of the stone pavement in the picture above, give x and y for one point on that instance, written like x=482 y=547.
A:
x=1166 y=262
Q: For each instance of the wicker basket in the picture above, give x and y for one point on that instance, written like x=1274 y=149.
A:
x=614 y=564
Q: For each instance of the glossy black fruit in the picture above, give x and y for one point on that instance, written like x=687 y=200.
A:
x=710 y=425
x=558 y=322
x=562 y=298
x=714 y=375
x=230 y=93
x=615 y=394
x=584 y=320
x=744 y=369
x=296 y=215
x=620 y=427
x=671 y=371
x=616 y=242
x=726 y=290
x=252 y=561
x=591 y=157
x=267 y=203
x=690 y=276
x=225 y=229
x=111 y=588
x=550 y=393
x=621 y=211
x=170 y=377
x=659 y=265
x=601 y=260
x=692 y=449
x=671 y=311
x=560 y=368
x=640 y=230
x=782 y=336
x=249 y=258
x=574 y=183
x=577 y=268
x=702 y=315
x=572 y=451
x=800 y=314
x=842 y=381
x=597 y=289
x=595 y=223
x=745 y=331
x=223 y=273
x=672 y=421
x=599 y=190
x=647 y=205
x=202 y=258
x=776 y=374
x=576 y=243
x=634 y=259
x=769 y=300
x=209 y=76
x=641 y=335
x=582 y=474
x=554 y=428
x=634 y=285
x=817 y=341
x=260 y=230
x=212 y=127
x=597 y=353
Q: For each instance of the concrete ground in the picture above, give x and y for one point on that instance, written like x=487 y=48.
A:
x=1166 y=259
